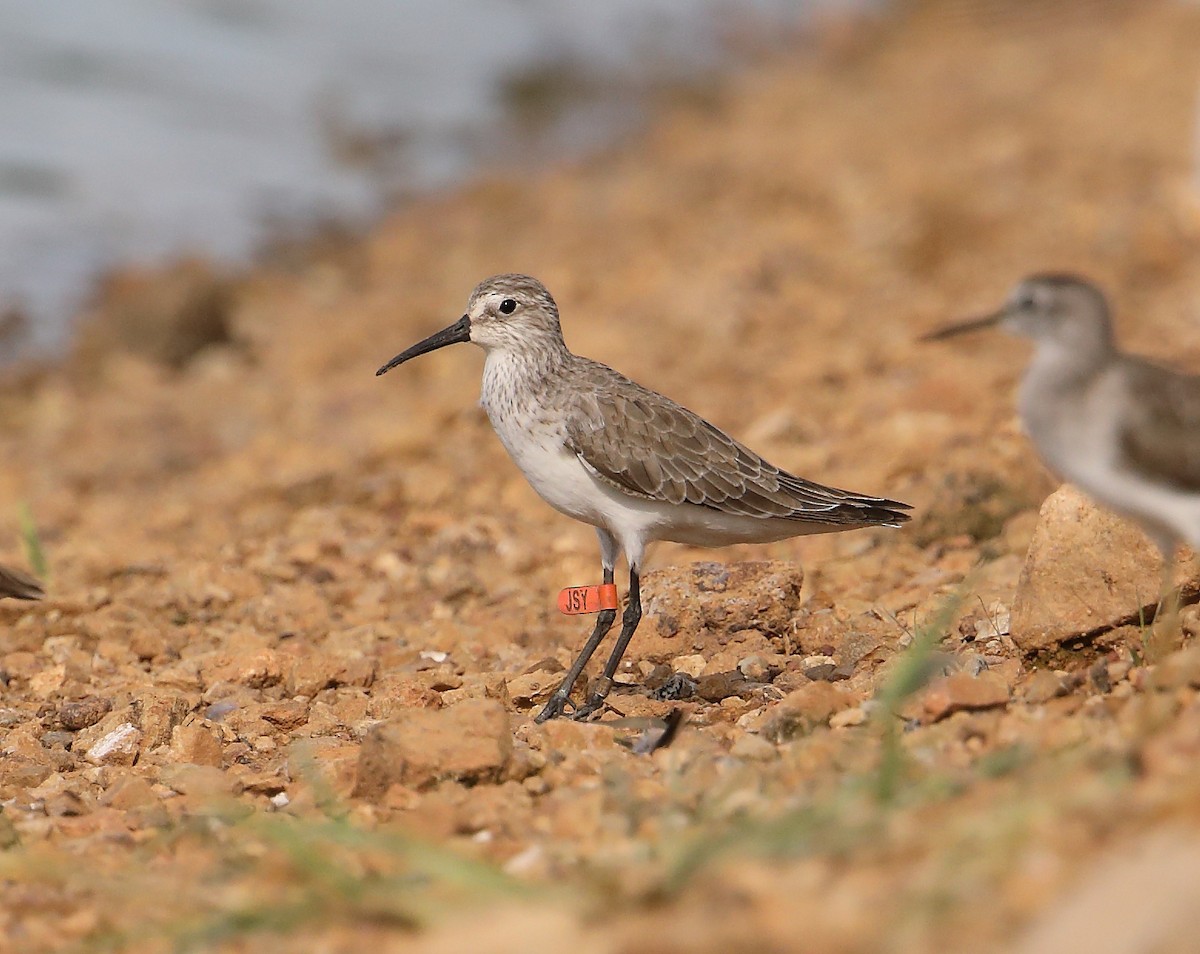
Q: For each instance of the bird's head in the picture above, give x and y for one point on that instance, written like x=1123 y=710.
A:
x=504 y=312
x=1062 y=310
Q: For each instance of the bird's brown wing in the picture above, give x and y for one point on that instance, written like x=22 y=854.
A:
x=1159 y=430
x=646 y=445
x=19 y=585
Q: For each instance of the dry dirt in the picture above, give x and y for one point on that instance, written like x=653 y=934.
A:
x=281 y=692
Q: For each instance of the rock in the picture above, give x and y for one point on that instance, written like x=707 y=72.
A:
x=256 y=670
x=532 y=687
x=48 y=681
x=721 y=685
x=677 y=686
x=963 y=692
x=25 y=740
x=1086 y=570
x=1181 y=668
x=480 y=686
x=19 y=771
x=195 y=744
x=313 y=671
x=88 y=736
x=118 y=747
x=790 y=680
x=847 y=718
x=1043 y=685
x=129 y=792
x=399 y=692
x=84 y=712
x=264 y=783
x=470 y=742
x=286 y=715
x=723 y=598
x=148 y=643
x=753 y=748
x=828 y=672
x=64 y=804
x=58 y=739
x=1119 y=670
x=559 y=736
x=324 y=762
x=204 y=781
x=161 y=713
x=801 y=711
x=691 y=665
x=1098 y=674
x=759 y=668
x=546 y=664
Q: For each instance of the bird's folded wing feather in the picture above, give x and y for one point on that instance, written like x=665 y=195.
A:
x=646 y=445
x=1159 y=429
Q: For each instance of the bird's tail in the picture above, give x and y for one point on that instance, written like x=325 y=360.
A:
x=886 y=516
x=19 y=585
x=877 y=511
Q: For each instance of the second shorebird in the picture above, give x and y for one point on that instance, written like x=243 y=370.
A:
x=1125 y=431
x=634 y=464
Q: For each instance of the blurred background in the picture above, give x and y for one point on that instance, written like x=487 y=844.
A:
x=136 y=130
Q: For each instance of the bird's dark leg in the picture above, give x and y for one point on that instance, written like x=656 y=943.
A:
x=554 y=707
x=629 y=623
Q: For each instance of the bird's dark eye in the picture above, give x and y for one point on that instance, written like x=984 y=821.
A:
x=508 y=306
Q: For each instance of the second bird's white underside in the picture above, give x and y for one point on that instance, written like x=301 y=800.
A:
x=1077 y=435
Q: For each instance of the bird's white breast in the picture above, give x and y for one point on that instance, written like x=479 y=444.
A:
x=1074 y=431
x=533 y=431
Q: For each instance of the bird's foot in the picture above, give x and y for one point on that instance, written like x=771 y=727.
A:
x=584 y=712
x=596 y=701
x=555 y=706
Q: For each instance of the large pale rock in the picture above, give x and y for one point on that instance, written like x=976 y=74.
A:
x=1087 y=570
x=470 y=742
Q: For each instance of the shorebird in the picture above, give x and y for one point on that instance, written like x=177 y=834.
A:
x=1124 y=430
x=631 y=463
x=19 y=585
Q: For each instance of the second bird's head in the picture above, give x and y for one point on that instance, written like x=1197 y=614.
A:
x=1058 y=309
x=505 y=312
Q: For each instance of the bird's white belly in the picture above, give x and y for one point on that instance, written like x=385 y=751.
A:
x=554 y=472
x=566 y=483
x=1080 y=441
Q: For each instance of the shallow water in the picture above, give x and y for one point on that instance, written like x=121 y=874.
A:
x=135 y=130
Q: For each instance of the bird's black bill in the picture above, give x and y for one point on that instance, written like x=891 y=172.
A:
x=964 y=327
x=458 y=332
